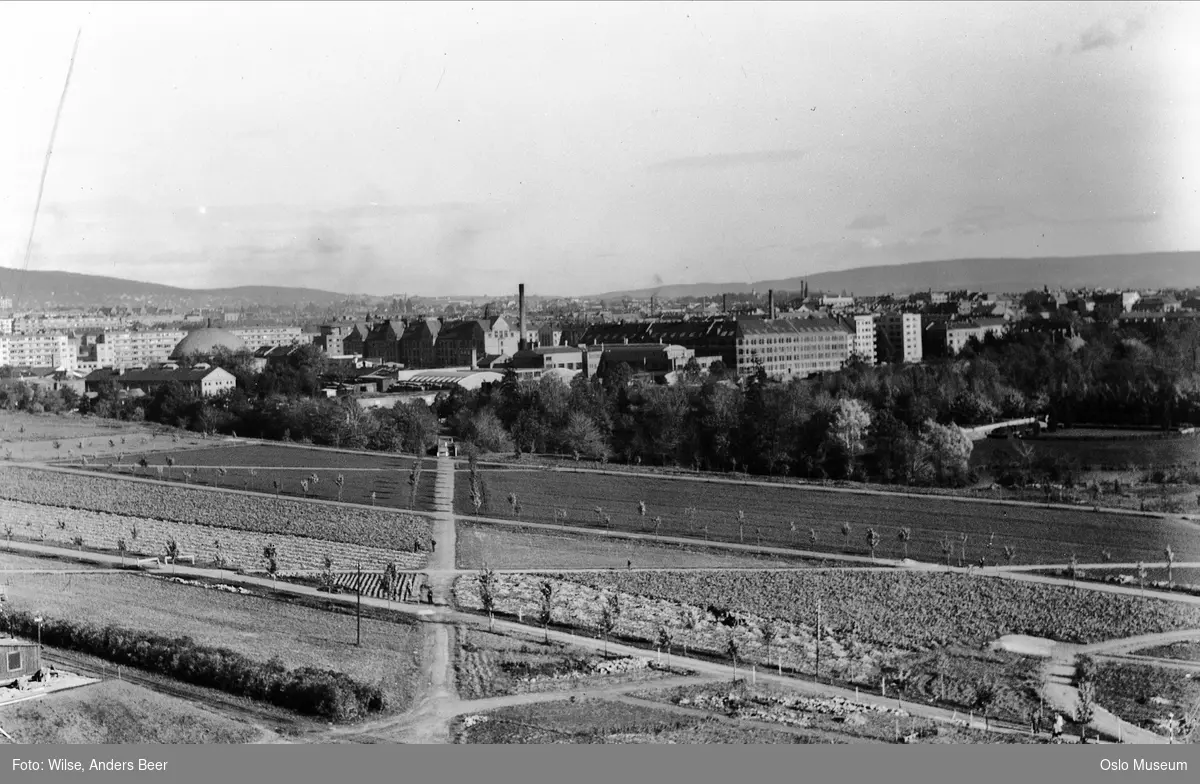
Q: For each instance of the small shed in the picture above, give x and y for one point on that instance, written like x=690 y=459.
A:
x=18 y=659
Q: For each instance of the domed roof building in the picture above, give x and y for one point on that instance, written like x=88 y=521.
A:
x=206 y=341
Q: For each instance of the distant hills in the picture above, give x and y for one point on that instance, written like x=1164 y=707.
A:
x=41 y=288
x=1134 y=271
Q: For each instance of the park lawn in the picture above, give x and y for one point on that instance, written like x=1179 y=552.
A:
x=118 y=712
x=1145 y=695
x=1036 y=534
x=254 y=627
x=501 y=547
x=588 y=721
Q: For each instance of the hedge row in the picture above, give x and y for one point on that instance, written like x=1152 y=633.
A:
x=326 y=694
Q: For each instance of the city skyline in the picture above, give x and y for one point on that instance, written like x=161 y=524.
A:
x=447 y=148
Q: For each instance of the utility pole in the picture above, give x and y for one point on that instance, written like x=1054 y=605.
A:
x=358 y=609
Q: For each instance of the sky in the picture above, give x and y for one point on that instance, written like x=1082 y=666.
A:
x=460 y=148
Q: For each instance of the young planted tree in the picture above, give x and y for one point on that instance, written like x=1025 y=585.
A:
x=276 y=486
x=1085 y=706
x=389 y=581
x=642 y=512
x=172 y=549
x=340 y=481
x=170 y=465
x=1010 y=553
x=665 y=640
x=770 y=632
x=78 y=542
x=545 y=607
x=8 y=536
x=512 y=503
x=144 y=464
x=732 y=649
x=304 y=487
x=991 y=545
x=872 y=541
x=133 y=535
x=657 y=524
x=1170 y=554
x=272 y=564
x=487 y=595
x=218 y=554
x=792 y=531
x=187 y=477
x=1073 y=567
x=327 y=574
x=985 y=697
x=121 y=549
x=963 y=557
x=610 y=613
x=947 y=549
x=846 y=532
x=741 y=523
x=689 y=514
x=812 y=537
x=373 y=496
x=1141 y=573
x=905 y=535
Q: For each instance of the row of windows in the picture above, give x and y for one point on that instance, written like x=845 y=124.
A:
x=793 y=339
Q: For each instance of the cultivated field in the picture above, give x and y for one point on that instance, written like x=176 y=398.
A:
x=493 y=665
x=17 y=426
x=116 y=712
x=226 y=548
x=501 y=547
x=1038 y=535
x=350 y=525
x=258 y=467
x=871 y=619
x=257 y=628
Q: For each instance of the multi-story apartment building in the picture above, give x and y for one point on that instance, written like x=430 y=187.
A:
x=898 y=337
x=41 y=349
x=462 y=343
x=947 y=338
x=864 y=337
x=418 y=341
x=135 y=348
x=382 y=342
x=254 y=337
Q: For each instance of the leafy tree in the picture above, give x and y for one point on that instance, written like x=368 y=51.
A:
x=610 y=614
x=848 y=432
x=872 y=541
x=487 y=594
x=582 y=437
x=770 y=632
x=905 y=535
x=269 y=556
x=172 y=549
x=985 y=697
x=732 y=649
x=665 y=640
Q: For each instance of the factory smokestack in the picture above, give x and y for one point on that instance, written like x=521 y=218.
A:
x=724 y=303
x=771 y=303
x=521 y=306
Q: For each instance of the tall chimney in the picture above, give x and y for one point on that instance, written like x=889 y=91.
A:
x=771 y=303
x=521 y=306
x=724 y=303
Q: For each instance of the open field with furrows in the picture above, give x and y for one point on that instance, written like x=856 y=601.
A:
x=1146 y=695
x=589 y=721
x=1038 y=535
x=870 y=620
x=257 y=628
x=385 y=529
x=861 y=721
x=222 y=547
x=1096 y=450
x=493 y=665
x=116 y=712
x=500 y=547
x=259 y=467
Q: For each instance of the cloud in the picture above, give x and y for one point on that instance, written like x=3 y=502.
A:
x=981 y=219
x=868 y=222
x=1110 y=33
x=931 y=233
x=727 y=160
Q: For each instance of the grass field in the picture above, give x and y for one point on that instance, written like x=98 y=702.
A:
x=255 y=627
x=1145 y=695
x=116 y=712
x=501 y=547
x=492 y=665
x=17 y=426
x=1039 y=535
x=385 y=475
x=1181 y=651
x=1089 y=453
x=589 y=721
